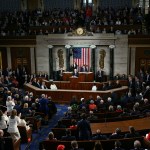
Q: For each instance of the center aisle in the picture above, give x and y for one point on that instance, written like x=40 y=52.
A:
x=43 y=133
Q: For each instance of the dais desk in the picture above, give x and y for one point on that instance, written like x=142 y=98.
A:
x=83 y=76
x=65 y=95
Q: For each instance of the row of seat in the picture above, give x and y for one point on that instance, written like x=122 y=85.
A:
x=89 y=145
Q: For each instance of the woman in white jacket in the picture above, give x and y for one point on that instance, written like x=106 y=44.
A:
x=10 y=104
x=3 y=122
x=13 y=122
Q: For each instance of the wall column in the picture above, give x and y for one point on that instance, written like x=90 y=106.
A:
x=50 y=61
x=33 y=63
x=68 y=57
x=111 y=75
x=9 y=57
x=93 y=60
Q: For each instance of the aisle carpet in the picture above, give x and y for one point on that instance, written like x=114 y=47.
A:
x=43 y=133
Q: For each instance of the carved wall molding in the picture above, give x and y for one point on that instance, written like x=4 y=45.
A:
x=96 y=39
x=61 y=59
x=102 y=53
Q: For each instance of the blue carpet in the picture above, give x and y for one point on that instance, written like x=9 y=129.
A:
x=43 y=133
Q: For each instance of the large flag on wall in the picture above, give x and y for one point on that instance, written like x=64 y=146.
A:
x=82 y=56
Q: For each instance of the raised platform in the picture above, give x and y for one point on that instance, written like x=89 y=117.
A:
x=65 y=95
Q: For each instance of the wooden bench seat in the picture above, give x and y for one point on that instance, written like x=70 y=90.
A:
x=67 y=122
x=89 y=145
x=35 y=122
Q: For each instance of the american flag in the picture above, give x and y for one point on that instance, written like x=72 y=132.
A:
x=82 y=56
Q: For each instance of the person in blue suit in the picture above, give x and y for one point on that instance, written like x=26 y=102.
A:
x=84 y=128
x=44 y=104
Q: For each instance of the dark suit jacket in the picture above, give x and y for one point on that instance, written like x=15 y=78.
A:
x=99 y=137
x=84 y=69
x=116 y=136
x=84 y=129
x=75 y=74
x=74 y=66
x=131 y=135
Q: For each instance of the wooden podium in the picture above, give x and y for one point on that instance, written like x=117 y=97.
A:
x=83 y=77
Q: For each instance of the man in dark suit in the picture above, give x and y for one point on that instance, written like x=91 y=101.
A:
x=44 y=104
x=75 y=73
x=147 y=78
x=116 y=135
x=146 y=94
x=60 y=74
x=84 y=128
x=99 y=75
x=131 y=85
x=74 y=66
x=132 y=133
x=99 y=136
x=68 y=136
x=84 y=68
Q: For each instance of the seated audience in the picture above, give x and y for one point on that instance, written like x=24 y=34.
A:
x=110 y=85
x=51 y=137
x=132 y=133
x=101 y=107
x=98 y=146
x=61 y=147
x=92 y=116
x=34 y=83
x=119 y=109
x=136 y=111
x=84 y=68
x=99 y=136
x=53 y=86
x=124 y=113
x=116 y=135
x=111 y=108
x=92 y=106
x=137 y=145
x=43 y=85
x=148 y=136
x=117 y=84
x=68 y=136
x=38 y=84
x=73 y=124
x=94 y=87
x=74 y=145
x=26 y=111
x=60 y=124
x=118 y=146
